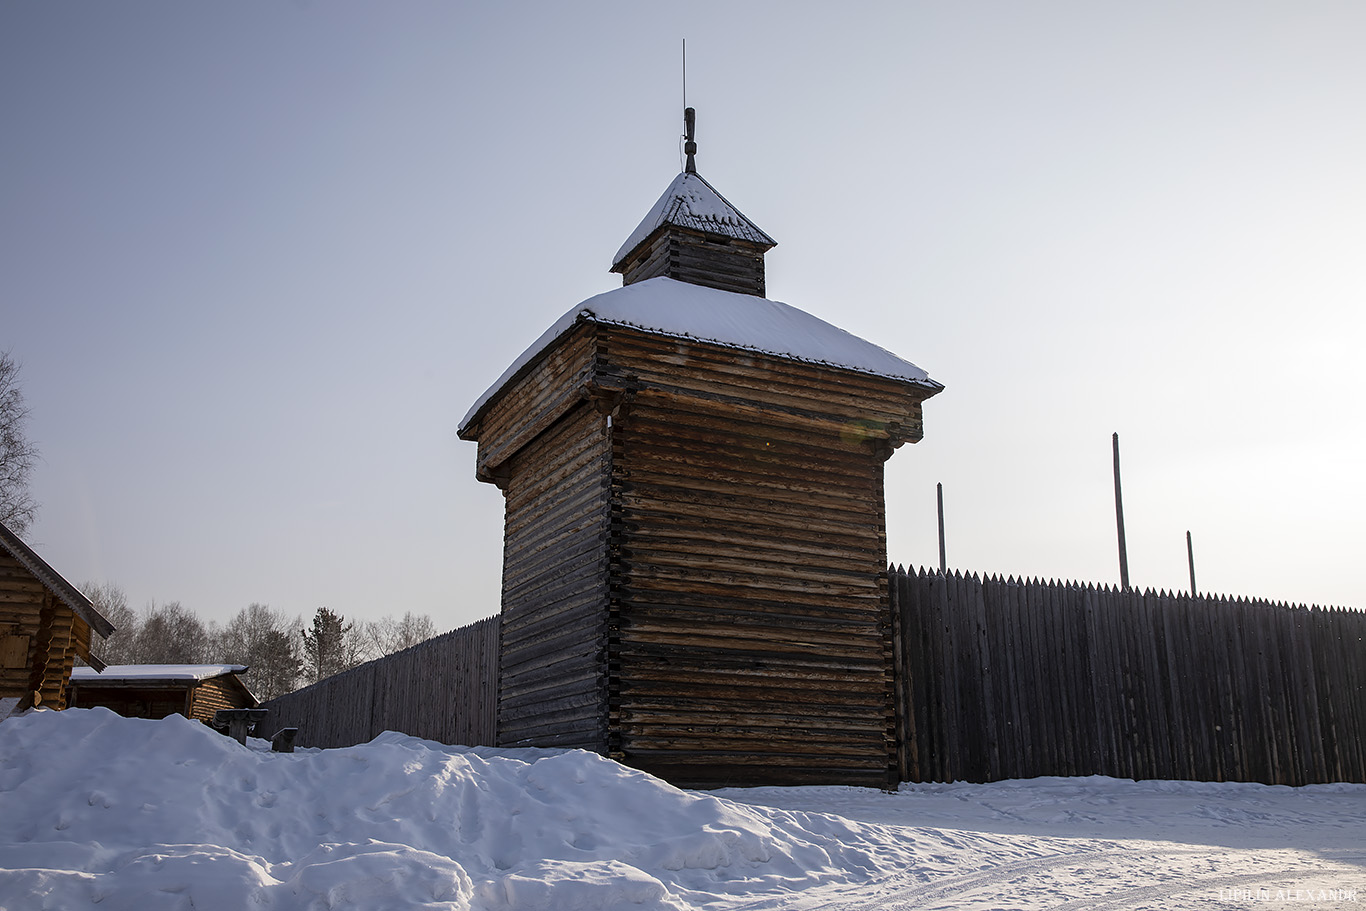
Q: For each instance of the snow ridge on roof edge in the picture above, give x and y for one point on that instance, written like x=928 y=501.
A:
x=161 y=671
x=772 y=352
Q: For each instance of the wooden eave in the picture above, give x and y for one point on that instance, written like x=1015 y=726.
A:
x=547 y=387
x=61 y=589
x=137 y=683
x=844 y=394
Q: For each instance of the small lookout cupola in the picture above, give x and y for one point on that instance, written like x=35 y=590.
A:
x=695 y=235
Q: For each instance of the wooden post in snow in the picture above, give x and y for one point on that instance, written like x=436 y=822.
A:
x=1190 y=556
x=1119 y=523
x=943 y=562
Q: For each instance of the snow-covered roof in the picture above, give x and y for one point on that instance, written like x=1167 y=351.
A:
x=685 y=310
x=691 y=202
x=157 y=672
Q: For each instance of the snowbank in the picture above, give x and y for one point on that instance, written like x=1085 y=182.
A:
x=147 y=814
x=98 y=810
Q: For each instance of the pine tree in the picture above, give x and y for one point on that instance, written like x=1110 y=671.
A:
x=330 y=647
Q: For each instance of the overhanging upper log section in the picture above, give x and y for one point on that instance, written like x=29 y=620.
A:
x=670 y=338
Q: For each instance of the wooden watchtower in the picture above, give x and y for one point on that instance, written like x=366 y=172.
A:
x=694 y=573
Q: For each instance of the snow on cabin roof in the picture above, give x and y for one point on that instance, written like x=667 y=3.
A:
x=157 y=672
x=733 y=320
x=691 y=202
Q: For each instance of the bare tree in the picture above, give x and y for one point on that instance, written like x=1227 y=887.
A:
x=387 y=635
x=263 y=640
x=17 y=455
x=172 y=634
x=112 y=604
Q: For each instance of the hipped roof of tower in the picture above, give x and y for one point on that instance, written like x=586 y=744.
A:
x=743 y=321
x=691 y=202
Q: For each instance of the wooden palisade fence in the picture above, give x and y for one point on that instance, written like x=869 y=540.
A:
x=998 y=678
x=443 y=689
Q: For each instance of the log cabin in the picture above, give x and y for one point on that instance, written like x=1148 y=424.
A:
x=45 y=624
x=196 y=691
x=694 y=576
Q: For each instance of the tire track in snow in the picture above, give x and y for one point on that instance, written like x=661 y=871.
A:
x=1332 y=864
x=1126 y=876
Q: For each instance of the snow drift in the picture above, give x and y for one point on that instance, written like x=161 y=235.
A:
x=115 y=813
x=141 y=814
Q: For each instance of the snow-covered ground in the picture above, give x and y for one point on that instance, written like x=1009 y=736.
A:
x=114 y=813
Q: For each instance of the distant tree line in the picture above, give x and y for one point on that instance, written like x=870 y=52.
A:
x=279 y=651
x=281 y=654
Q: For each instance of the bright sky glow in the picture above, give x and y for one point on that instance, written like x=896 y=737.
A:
x=258 y=259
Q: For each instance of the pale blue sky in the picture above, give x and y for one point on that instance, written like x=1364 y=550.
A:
x=259 y=258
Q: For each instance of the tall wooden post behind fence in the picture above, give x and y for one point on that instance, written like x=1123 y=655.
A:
x=943 y=553
x=1006 y=678
x=1190 y=559
x=1119 y=522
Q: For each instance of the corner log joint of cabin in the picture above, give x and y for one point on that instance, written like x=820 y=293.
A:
x=611 y=401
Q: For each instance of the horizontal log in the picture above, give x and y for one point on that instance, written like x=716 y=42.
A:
x=639 y=509
x=629 y=344
x=586 y=730
x=719 y=637
x=567 y=671
x=660 y=669
x=761 y=742
x=770 y=379
x=856 y=567
x=841 y=627
x=650 y=756
x=578 y=645
x=583 y=704
x=722 y=719
x=857 y=483
x=692 y=576
x=745 y=606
